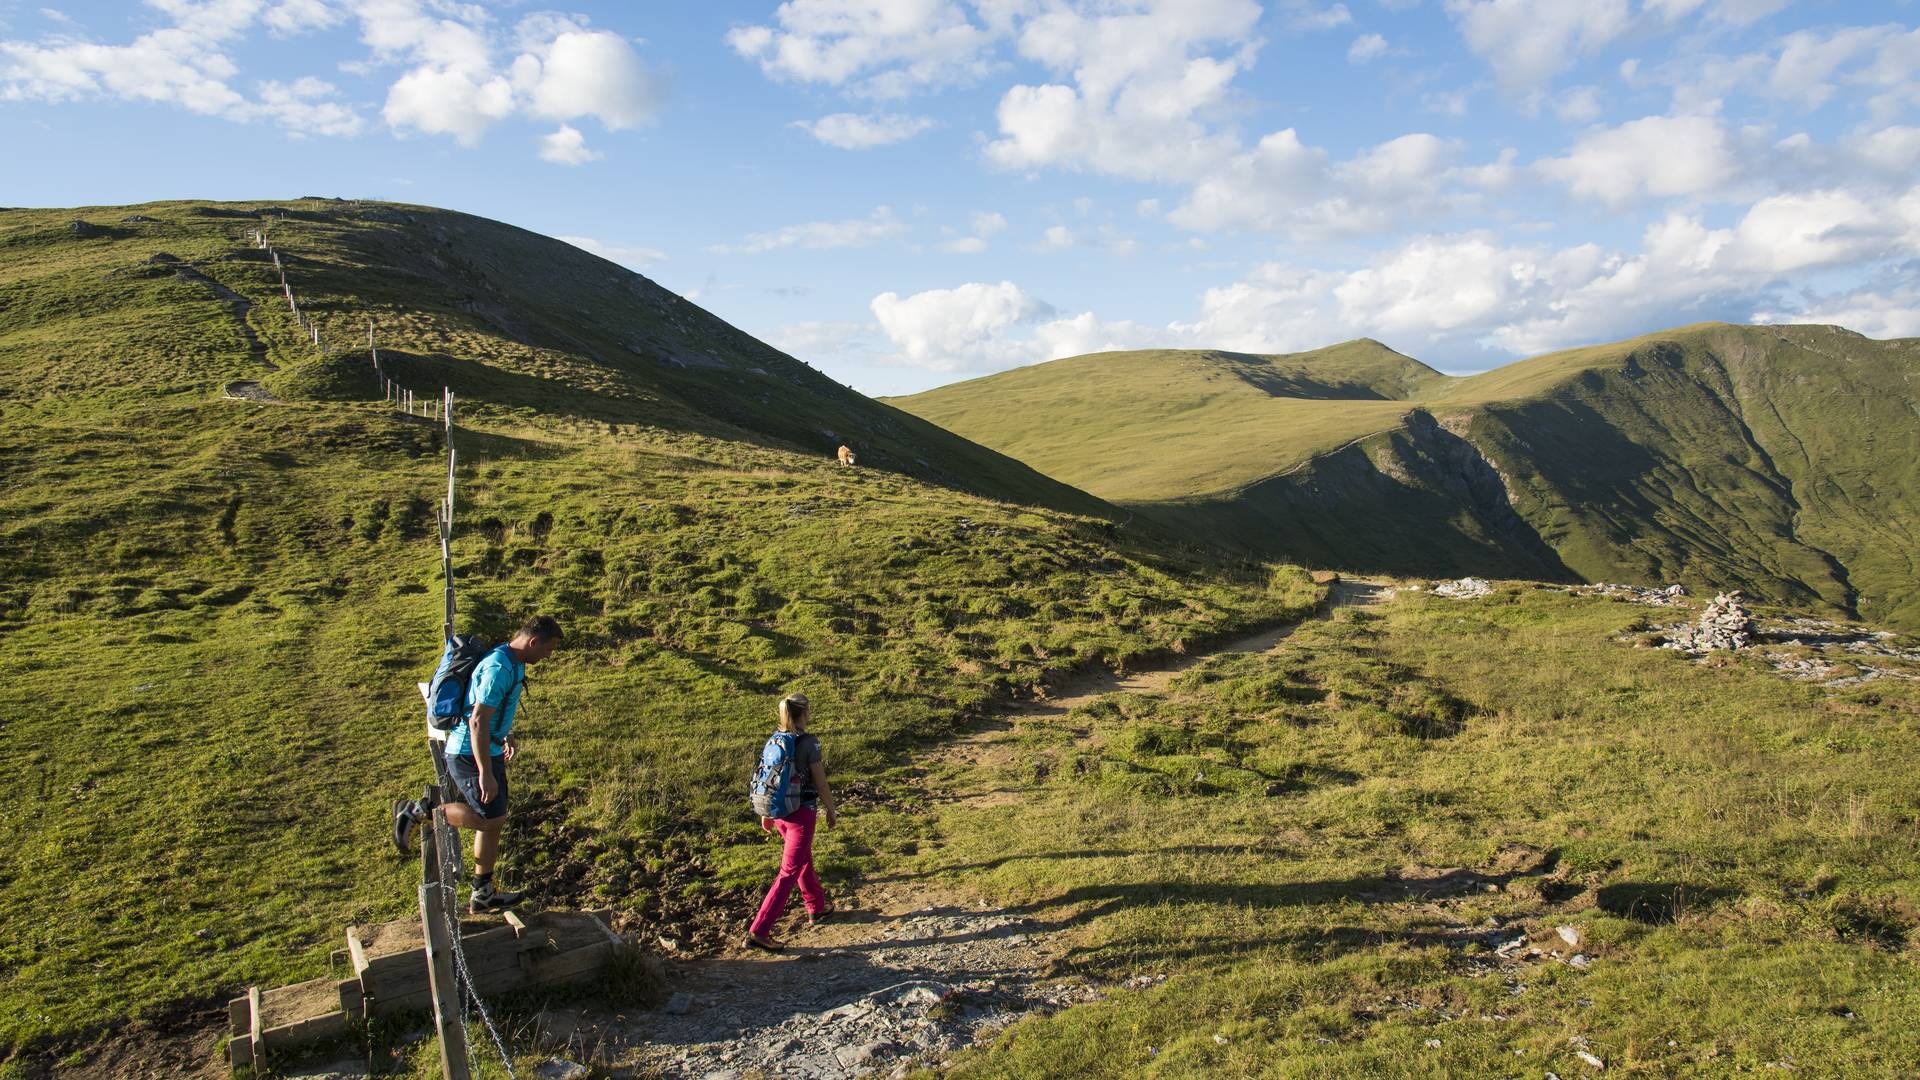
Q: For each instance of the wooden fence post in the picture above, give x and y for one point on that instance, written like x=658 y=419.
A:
x=440 y=978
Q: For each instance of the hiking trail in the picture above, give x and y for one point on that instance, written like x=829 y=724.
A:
x=903 y=972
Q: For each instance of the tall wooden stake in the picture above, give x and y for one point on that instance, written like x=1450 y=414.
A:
x=433 y=919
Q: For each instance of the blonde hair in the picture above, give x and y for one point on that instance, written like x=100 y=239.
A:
x=791 y=705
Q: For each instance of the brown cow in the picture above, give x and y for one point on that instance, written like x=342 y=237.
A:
x=846 y=456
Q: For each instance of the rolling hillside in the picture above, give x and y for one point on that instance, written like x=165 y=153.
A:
x=213 y=608
x=1779 y=459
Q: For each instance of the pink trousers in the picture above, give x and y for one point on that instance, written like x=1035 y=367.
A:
x=796 y=868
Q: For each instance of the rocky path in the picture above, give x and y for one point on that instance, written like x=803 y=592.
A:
x=902 y=973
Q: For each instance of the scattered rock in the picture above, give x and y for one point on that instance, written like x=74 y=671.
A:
x=560 y=1069
x=1467 y=588
x=1671 y=596
x=679 y=1004
x=137 y=219
x=1592 y=1059
x=1569 y=935
x=85 y=230
x=1433 y=1044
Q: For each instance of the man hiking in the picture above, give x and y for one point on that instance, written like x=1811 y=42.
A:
x=478 y=766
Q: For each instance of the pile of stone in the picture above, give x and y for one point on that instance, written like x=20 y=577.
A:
x=1467 y=588
x=1671 y=596
x=1726 y=624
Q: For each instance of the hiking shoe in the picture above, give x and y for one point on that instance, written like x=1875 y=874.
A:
x=487 y=898
x=406 y=814
x=765 y=944
x=815 y=918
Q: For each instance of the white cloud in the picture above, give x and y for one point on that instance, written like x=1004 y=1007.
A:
x=1306 y=17
x=988 y=222
x=1580 y=105
x=1085 y=333
x=448 y=101
x=984 y=224
x=1283 y=185
x=184 y=64
x=1141 y=82
x=876 y=48
x=854 y=131
x=1885 y=311
x=455 y=87
x=958 y=328
x=629 y=256
x=1056 y=238
x=1366 y=47
x=290 y=17
x=595 y=74
x=1476 y=297
x=818 y=235
x=1451 y=103
x=1655 y=155
x=1528 y=42
x=302 y=108
x=566 y=146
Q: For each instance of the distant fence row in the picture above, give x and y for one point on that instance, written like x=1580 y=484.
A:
x=439 y=407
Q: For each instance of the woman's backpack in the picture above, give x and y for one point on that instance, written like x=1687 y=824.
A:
x=773 y=793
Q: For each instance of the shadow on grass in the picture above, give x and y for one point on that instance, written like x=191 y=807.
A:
x=1655 y=902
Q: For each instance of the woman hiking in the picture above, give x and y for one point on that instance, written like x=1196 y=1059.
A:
x=790 y=789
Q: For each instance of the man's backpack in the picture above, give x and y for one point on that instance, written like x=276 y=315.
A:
x=447 y=693
x=774 y=794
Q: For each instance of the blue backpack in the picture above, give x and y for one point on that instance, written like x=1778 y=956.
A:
x=773 y=793
x=447 y=693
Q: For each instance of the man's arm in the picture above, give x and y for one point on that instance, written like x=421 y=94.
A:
x=480 y=744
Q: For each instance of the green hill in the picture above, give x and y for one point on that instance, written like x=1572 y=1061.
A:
x=1779 y=459
x=213 y=608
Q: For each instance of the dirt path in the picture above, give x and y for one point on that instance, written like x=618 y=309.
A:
x=240 y=307
x=904 y=972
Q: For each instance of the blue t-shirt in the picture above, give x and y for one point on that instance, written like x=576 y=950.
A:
x=496 y=681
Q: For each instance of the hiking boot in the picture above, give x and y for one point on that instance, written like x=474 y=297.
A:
x=406 y=814
x=486 y=898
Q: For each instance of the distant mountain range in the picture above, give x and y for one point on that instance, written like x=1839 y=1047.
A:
x=1780 y=459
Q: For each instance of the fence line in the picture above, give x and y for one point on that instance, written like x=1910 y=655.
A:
x=440 y=853
x=403 y=398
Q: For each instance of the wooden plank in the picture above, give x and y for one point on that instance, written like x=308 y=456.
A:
x=358 y=950
x=600 y=921
x=519 y=927
x=256 y=1026
x=352 y=999
x=311 y=1029
x=240 y=1051
x=572 y=966
x=238 y=1017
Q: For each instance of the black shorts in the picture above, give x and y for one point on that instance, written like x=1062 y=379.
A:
x=466 y=777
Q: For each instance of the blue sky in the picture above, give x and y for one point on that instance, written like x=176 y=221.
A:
x=912 y=192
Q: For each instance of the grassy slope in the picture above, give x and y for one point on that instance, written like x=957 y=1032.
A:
x=212 y=611
x=1153 y=424
x=1590 y=781
x=1777 y=458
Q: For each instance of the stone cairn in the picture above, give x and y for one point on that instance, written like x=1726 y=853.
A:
x=1726 y=624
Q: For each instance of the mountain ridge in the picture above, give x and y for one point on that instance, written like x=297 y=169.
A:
x=1711 y=454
